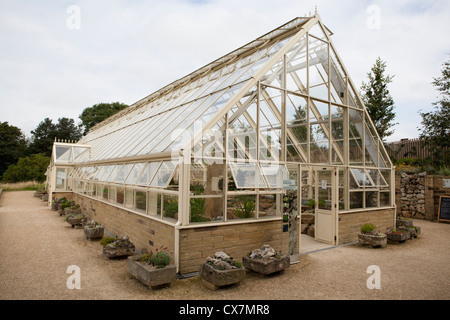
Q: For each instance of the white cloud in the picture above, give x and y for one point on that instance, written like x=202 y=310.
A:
x=124 y=51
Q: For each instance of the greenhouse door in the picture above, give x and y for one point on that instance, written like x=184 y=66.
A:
x=326 y=208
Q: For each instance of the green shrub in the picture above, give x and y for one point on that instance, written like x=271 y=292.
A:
x=30 y=168
x=444 y=171
x=367 y=228
x=160 y=258
x=197 y=210
x=107 y=240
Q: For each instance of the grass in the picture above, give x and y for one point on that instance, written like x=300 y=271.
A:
x=22 y=186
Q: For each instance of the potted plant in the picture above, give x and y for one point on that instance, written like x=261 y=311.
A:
x=75 y=219
x=63 y=205
x=369 y=236
x=266 y=261
x=74 y=209
x=398 y=234
x=44 y=196
x=93 y=230
x=404 y=222
x=414 y=231
x=153 y=269
x=56 y=202
x=117 y=248
x=221 y=270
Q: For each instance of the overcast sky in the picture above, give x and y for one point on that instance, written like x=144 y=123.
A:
x=60 y=57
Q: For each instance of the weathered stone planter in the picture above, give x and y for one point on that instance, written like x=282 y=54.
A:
x=60 y=209
x=398 y=235
x=266 y=266
x=401 y=222
x=55 y=206
x=76 y=222
x=415 y=231
x=151 y=276
x=93 y=233
x=373 y=240
x=120 y=249
x=214 y=278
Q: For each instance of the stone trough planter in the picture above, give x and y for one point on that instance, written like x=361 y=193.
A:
x=60 y=209
x=221 y=270
x=398 y=235
x=121 y=248
x=377 y=240
x=215 y=279
x=93 y=230
x=151 y=276
x=415 y=231
x=76 y=221
x=265 y=261
x=93 y=233
x=266 y=267
x=404 y=222
x=55 y=206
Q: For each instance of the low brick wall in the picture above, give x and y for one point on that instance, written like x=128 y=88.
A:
x=236 y=240
x=142 y=231
x=195 y=243
x=350 y=223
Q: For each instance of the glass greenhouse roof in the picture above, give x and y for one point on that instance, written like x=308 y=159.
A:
x=285 y=96
x=156 y=123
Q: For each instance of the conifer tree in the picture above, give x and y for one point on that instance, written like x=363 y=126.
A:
x=377 y=99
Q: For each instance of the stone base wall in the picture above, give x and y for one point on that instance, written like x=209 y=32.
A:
x=142 y=231
x=195 y=243
x=236 y=240
x=350 y=223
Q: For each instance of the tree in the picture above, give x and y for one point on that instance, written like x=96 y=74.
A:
x=31 y=168
x=12 y=145
x=45 y=133
x=377 y=99
x=99 y=112
x=435 y=131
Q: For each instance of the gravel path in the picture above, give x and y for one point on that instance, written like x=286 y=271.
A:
x=37 y=246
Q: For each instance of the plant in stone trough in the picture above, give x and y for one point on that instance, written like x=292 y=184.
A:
x=222 y=261
x=72 y=215
x=160 y=258
x=120 y=247
x=367 y=228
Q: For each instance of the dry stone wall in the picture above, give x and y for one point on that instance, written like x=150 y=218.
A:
x=412 y=191
x=417 y=195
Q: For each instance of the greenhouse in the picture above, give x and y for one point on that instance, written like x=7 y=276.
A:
x=213 y=161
